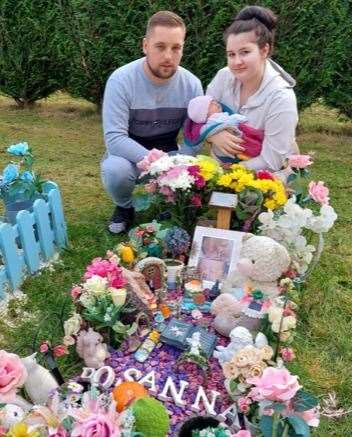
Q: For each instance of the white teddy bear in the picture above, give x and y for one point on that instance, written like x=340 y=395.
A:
x=262 y=262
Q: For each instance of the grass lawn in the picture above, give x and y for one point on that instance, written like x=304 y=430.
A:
x=66 y=137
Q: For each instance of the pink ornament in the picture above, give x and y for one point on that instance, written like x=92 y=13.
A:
x=299 y=161
x=319 y=192
x=276 y=385
x=12 y=375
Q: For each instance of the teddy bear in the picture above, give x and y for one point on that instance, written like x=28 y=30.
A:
x=261 y=263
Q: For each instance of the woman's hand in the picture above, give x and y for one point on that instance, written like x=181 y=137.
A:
x=228 y=143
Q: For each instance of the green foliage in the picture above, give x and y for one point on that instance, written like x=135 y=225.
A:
x=29 y=68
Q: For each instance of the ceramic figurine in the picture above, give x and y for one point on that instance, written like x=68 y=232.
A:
x=11 y=414
x=154 y=271
x=40 y=382
x=91 y=349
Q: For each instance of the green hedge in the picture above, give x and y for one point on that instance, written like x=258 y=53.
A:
x=94 y=37
x=29 y=65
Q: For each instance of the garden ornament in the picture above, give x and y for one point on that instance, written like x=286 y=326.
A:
x=40 y=382
x=91 y=349
x=11 y=414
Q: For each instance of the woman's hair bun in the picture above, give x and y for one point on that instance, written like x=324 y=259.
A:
x=264 y=15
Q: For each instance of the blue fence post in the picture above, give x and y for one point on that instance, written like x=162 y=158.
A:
x=45 y=234
x=12 y=259
x=57 y=214
x=29 y=244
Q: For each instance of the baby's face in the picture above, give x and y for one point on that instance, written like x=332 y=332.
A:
x=214 y=108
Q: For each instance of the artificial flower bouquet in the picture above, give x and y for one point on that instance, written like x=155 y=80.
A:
x=257 y=192
x=179 y=183
x=19 y=181
x=100 y=302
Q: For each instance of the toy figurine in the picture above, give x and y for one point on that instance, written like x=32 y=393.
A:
x=91 y=349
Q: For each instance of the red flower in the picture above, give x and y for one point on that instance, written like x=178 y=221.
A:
x=60 y=350
x=196 y=200
x=264 y=174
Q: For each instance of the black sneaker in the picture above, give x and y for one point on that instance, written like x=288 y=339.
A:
x=121 y=220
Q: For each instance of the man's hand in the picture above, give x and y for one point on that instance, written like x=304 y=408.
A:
x=228 y=143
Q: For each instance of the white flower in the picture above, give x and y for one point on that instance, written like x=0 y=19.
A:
x=87 y=300
x=324 y=221
x=75 y=387
x=72 y=325
x=118 y=295
x=160 y=165
x=68 y=340
x=183 y=181
x=96 y=285
x=288 y=323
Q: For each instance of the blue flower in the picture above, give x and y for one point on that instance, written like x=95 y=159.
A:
x=27 y=176
x=19 y=149
x=10 y=173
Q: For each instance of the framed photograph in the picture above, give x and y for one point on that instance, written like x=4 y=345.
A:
x=215 y=253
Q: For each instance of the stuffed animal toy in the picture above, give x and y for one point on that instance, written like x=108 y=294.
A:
x=262 y=262
x=91 y=349
x=40 y=382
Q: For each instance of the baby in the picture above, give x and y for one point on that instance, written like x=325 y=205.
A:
x=206 y=117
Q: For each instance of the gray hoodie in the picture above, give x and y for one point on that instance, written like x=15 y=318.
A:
x=272 y=108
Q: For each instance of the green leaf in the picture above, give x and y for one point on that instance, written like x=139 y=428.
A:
x=304 y=401
x=68 y=422
x=299 y=426
x=232 y=385
x=278 y=407
x=291 y=177
x=266 y=425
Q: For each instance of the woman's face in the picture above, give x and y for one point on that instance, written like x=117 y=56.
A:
x=244 y=57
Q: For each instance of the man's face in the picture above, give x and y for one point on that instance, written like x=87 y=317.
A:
x=163 y=48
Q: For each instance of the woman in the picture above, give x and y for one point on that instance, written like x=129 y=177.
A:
x=255 y=86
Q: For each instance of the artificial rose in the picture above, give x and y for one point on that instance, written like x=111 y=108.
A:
x=68 y=340
x=319 y=192
x=73 y=324
x=76 y=292
x=44 y=347
x=96 y=285
x=60 y=350
x=288 y=323
x=285 y=336
x=118 y=295
x=264 y=174
x=243 y=433
x=287 y=354
x=299 y=161
x=12 y=375
x=244 y=404
x=267 y=352
x=311 y=417
x=230 y=370
x=276 y=384
x=256 y=370
x=247 y=356
x=96 y=425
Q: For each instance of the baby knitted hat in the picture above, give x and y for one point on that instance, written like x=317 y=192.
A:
x=198 y=108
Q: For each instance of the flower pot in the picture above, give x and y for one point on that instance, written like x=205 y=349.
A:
x=197 y=423
x=174 y=269
x=13 y=207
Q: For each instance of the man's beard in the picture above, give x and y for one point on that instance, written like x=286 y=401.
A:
x=158 y=72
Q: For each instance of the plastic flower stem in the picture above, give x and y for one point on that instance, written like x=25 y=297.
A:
x=286 y=429
x=276 y=420
x=281 y=322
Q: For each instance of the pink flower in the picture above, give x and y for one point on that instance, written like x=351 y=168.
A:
x=99 y=267
x=96 y=425
x=194 y=170
x=264 y=174
x=59 y=432
x=3 y=431
x=60 y=350
x=155 y=154
x=276 y=385
x=151 y=187
x=166 y=191
x=311 y=417
x=196 y=200
x=287 y=354
x=12 y=375
x=76 y=292
x=44 y=347
x=299 y=161
x=150 y=228
x=243 y=433
x=319 y=192
x=117 y=281
x=244 y=404
x=144 y=164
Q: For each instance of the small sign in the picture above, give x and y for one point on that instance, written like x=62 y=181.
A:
x=223 y=200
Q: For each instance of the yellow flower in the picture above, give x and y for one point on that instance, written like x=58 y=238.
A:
x=21 y=430
x=224 y=180
x=209 y=167
x=127 y=254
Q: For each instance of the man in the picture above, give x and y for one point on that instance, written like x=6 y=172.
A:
x=145 y=105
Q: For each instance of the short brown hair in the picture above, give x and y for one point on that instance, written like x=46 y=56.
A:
x=166 y=19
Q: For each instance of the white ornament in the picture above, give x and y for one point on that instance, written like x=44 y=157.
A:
x=176 y=395
x=39 y=382
x=87 y=373
x=11 y=414
x=209 y=406
x=109 y=374
x=132 y=374
x=230 y=414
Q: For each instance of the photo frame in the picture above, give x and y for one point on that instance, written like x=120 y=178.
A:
x=215 y=253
